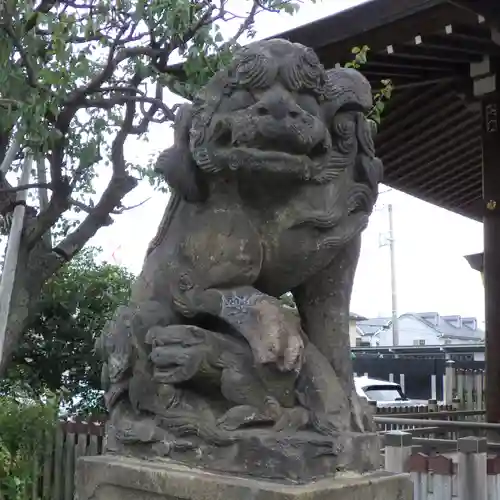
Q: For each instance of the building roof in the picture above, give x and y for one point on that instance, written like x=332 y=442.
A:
x=430 y=138
x=371 y=326
x=356 y=317
x=451 y=326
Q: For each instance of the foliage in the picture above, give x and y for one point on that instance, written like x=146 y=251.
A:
x=22 y=423
x=79 y=78
x=383 y=94
x=56 y=353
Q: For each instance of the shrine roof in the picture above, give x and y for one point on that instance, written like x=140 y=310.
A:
x=430 y=137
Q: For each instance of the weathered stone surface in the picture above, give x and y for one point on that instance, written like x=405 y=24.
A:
x=297 y=456
x=115 y=478
x=273 y=176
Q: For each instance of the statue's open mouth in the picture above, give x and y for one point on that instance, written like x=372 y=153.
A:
x=281 y=146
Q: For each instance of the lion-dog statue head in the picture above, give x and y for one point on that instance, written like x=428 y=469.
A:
x=275 y=109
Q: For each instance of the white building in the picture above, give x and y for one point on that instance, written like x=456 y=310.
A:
x=419 y=329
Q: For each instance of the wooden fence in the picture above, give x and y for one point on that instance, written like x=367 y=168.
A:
x=55 y=456
x=469 y=386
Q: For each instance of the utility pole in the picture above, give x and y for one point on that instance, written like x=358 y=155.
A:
x=43 y=197
x=388 y=240
x=385 y=240
x=12 y=252
x=395 y=325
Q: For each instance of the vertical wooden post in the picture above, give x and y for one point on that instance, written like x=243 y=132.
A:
x=398 y=449
x=460 y=380
x=434 y=387
x=402 y=381
x=12 y=252
x=419 y=470
x=491 y=225
x=472 y=481
x=448 y=382
x=442 y=473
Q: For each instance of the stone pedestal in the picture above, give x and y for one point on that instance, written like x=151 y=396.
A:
x=116 y=478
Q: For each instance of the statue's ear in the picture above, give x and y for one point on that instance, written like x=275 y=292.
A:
x=176 y=163
x=348 y=90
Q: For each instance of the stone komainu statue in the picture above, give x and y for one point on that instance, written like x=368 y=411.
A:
x=273 y=177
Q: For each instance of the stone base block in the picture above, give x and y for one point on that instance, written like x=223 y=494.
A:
x=296 y=458
x=115 y=478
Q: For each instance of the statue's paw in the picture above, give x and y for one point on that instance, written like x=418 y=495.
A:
x=278 y=341
x=241 y=416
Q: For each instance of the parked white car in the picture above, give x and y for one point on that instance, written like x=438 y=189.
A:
x=386 y=394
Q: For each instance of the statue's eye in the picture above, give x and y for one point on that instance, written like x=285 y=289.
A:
x=308 y=103
x=239 y=99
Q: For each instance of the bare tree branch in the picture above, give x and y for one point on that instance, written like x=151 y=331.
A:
x=119 y=185
x=149 y=114
x=24 y=187
x=128 y=95
x=122 y=209
x=118 y=211
x=83 y=165
x=95 y=36
x=245 y=25
x=78 y=96
x=43 y=8
x=9 y=103
x=88 y=209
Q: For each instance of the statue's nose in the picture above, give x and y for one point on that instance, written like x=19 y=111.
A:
x=278 y=108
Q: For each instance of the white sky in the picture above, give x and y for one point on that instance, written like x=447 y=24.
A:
x=430 y=242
